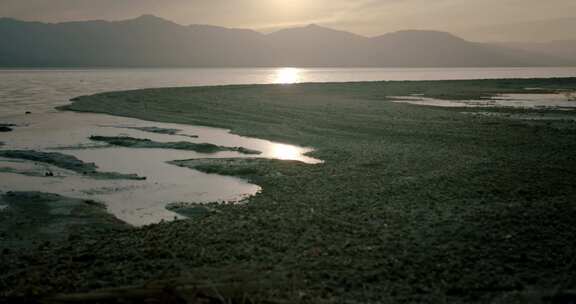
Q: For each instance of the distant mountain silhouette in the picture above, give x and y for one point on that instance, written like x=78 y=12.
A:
x=150 y=41
x=559 y=48
x=314 y=45
x=418 y=48
x=531 y=31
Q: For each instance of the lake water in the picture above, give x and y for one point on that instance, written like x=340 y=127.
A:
x=41 y=90
x=142 y=202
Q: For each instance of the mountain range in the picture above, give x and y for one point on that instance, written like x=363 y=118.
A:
x=532 y=31
x=150 y=41
x=558 y=48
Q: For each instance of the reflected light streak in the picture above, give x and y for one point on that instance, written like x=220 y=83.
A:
x=285 y=152
x=287 y=75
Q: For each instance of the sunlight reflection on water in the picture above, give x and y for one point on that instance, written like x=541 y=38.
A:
x=40 y=90
x=288 y=75
x=285 y=152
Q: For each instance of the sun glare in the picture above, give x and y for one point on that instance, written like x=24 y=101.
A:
x=285 y=152
x=287 y=75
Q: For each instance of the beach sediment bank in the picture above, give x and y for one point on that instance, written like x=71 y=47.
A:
x=412 y=203
x=33 y=219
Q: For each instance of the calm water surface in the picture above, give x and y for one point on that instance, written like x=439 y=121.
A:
x=134 y=201
x=41 y=90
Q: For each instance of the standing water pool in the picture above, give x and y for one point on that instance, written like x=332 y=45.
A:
x=137 y=202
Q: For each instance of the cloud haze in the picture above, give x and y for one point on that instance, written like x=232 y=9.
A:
x=367 y=17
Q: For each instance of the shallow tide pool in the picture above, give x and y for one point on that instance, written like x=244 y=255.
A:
x=527 y=101
x=137 y=202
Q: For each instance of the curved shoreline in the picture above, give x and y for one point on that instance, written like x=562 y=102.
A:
x=412 y=204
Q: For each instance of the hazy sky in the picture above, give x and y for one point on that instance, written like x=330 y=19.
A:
x=367 y=17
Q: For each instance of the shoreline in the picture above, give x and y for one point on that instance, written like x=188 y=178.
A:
x=136 y=182
x=411 y=204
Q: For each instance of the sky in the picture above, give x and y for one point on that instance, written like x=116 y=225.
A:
x=365 y=17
